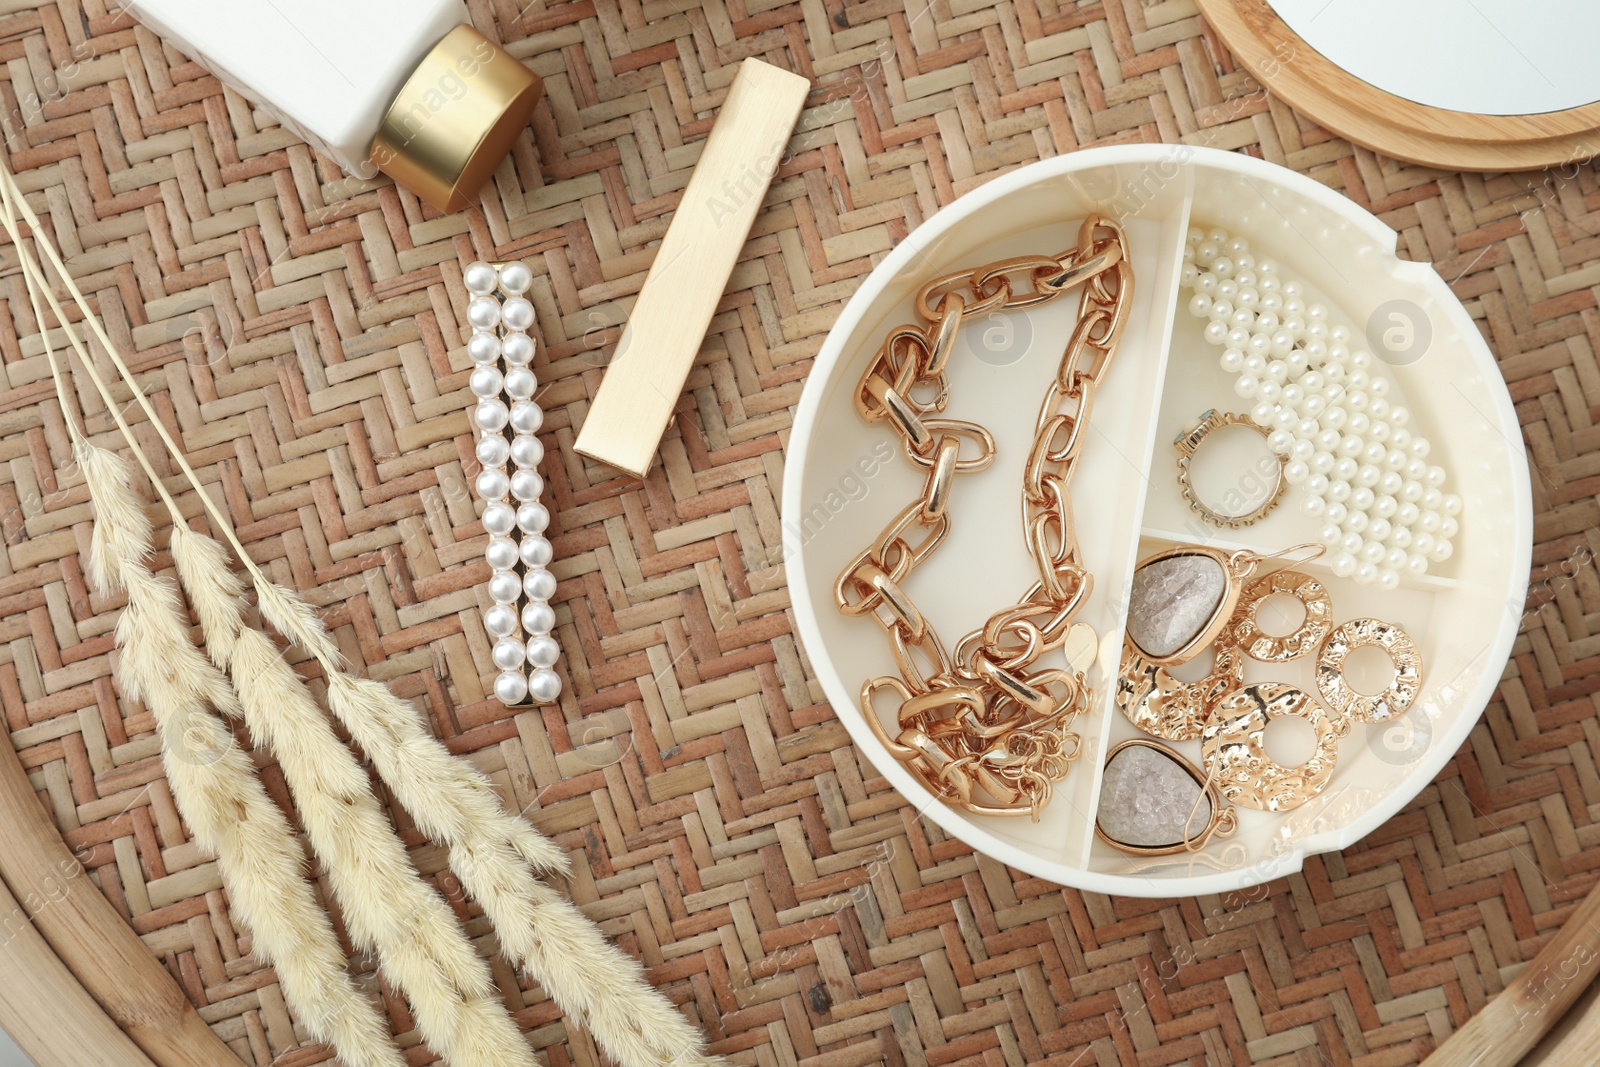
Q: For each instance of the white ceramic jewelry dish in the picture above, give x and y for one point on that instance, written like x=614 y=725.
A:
x=846 y=479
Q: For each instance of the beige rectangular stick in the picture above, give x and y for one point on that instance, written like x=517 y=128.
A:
x=691 y=268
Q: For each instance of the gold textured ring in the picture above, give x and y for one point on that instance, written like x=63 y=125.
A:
x=1260 y=645
x=1159 y=704
x=1188 y=444
x=1344 y=700
x=1233 y=747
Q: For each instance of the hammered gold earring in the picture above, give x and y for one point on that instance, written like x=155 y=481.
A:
x=1337 y=691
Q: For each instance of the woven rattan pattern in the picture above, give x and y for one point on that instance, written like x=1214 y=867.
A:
x=303 y=333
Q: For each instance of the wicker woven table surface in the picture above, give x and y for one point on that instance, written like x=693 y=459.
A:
x=303 y=334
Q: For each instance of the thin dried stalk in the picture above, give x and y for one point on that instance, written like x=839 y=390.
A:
x=386 y=905
x=214 y=783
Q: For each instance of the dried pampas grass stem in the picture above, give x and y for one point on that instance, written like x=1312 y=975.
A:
x=386 y=905
x=214 y=783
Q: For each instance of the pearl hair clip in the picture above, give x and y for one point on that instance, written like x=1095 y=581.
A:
x=503 y=382
x=1325 y=403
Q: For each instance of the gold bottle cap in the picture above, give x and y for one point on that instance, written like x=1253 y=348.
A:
x=455 y=119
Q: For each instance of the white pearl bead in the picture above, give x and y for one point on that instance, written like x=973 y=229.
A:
x=526 y=485
x=1411 y=492
x=1298 y=363
x=1318 y=482
x=1351 y=445
x=493 y=484
x=1400 y=537
x=1205 y=281
x=1338 y=491
x=1255 y=364
x=1345 y=468
x=1313 y=506
x=489 y=415
x=1330 y=532
x=1372 y=552
x=515 y=277
x=1395 y=558
x=1327 y=439
x=544 y=685
x=1263 y=413
x=478 y=277
x=484 y=348
x=520 y=383
x=526 y=416
x=1343 y=565
x=1399 y=415
x=485 y=381
x=533 y=518
x=1231 y=361
x=1238 y=339
x=1383 y=505
x=1366 y=574
x=1222 y=266
x=1337 y=513
x=1368 y=476
x=493 y=450
x=1399 y=437
x=1334 y=417
x=1355 y=400
x=1432 y=500
x=543 y=652
x=517 y=313
x=1259 y=346
x=1360 y=378
x=1388 y=579
x=510 y=687
x=1200 y=305
x=1442 y=550
x=1379 y=388
x=1242 y=317
x=1379 y=431
x=1416 y=470
x=526 y=450
x=1296 y=472
x=1294 y=394
x=536 y=551
x=539 y=584
x=1419 y=447
x=518 y=348
x=1278 y=371
x=501 y=552
x=1323 y=462
x=500 y=620
x=538 y=617
x=1351 y=542
x=508 y=653
x=1357 y=423
x=1280 y=441
x=1449 y=527
x=1361 y=499
x=1429 y=521
x=1377 y=407
x=1389 y=484
x=1417 y=564
x=1307 y=430
x=1435 y=476
x=1216 y=332
x=499 y=519
x=1422 y=542
x=1355 y=522
x=1451 y=505
x=1407 y=513
x=1303 y=451
x=1248 y=296
x=505 y=587
x=1395 y=460
x=1246 y=386
x=483 y=312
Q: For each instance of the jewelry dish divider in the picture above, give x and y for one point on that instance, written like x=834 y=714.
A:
x=847 y=479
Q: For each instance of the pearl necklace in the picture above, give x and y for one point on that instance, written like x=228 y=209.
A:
x=501 y=351
x=1326 y=406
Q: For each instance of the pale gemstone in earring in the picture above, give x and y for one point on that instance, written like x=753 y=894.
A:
x=510 y=687
x=544 y=685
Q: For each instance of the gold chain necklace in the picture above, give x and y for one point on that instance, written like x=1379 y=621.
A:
x=980 y=721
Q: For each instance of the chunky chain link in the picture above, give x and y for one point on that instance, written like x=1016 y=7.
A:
x=977 y=723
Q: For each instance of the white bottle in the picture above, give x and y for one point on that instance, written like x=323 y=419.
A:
x=402 y=86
